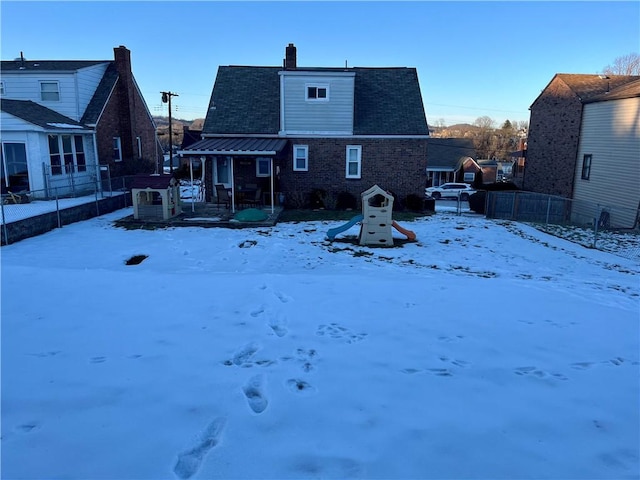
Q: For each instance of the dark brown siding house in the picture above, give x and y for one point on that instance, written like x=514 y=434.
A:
x=554 y=130
x=291 y=130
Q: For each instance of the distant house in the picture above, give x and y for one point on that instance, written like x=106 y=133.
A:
x=292 y=130
x=450 y=160
x=61 y=120
x=608 y=162
x=555 y=129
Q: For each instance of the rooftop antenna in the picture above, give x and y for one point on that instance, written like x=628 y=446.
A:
x=22 y=61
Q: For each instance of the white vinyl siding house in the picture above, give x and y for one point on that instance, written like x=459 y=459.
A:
x=610 y=142
x=75 y=89
x=316 y=103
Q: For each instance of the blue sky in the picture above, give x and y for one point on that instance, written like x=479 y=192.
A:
x=473 y=58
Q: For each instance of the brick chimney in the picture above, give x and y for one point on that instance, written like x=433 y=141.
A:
x=126 y=100
x=290 y=60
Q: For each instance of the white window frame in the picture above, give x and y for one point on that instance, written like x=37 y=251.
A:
x=317 y=86
x=304 y=149
x=117 y=145
x=358 y=161
x=268 y=162
x=55 y=93
x=469 y=176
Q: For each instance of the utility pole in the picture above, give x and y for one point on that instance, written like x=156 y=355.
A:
x=166 y=98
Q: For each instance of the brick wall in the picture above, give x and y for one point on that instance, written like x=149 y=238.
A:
x=395 y=165
x=126 y=116
x=554 y=132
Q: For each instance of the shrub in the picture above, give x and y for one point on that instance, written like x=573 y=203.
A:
x=317 y=198
x=414 y=202
x=296 y=200
x=346 y=201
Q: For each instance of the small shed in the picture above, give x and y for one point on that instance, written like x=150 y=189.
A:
x=377 y=213
x=155 y=197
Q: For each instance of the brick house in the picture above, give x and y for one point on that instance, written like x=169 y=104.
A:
x=62 y=120
x=291 y=130
x=554 y=130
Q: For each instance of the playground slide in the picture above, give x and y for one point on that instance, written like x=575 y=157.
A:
x=408 y=233
x=332 y=232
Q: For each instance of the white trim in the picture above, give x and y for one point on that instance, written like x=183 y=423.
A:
x=358 y=148
x=119 y=159
x=315 y=73
x=56 y=83
x=284 y=135
x=258 y=160
x=305 y=148
x=317 y=86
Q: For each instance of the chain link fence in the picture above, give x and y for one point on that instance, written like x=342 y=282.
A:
x=34 y=212
x=608 y=228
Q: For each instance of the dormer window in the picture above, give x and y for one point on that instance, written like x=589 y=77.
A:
x=317 y=92
x=49 y=92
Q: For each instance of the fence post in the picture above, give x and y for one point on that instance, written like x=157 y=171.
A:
x=595 y=232
x=97 y=204
x=4 y=224
x=58 y=210
x=548 y=209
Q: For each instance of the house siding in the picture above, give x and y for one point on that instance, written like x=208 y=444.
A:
x=26 y=86
x=553 y=141
x=397 y=165
x=334 y=115
x=611 y=134
x=88 y=80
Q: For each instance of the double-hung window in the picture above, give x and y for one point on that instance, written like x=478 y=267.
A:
x=586 y=166
x=139 y=145
x=1 y=87
x=117 y=149
x=263 y=167
x=49 y=92
x=300 y=158
x=354 y=161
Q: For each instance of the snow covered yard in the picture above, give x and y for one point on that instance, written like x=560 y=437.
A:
x=483 y=350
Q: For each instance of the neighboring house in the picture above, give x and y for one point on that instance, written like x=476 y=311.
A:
x=292 y=130
x=62 y=120
x=450 y=160
x=608 y=162
x=554 y=130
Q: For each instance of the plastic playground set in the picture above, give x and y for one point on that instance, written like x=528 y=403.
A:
x=375 y=221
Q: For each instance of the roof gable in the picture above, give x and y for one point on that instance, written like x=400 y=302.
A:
x=101 y=95
x=628 y=90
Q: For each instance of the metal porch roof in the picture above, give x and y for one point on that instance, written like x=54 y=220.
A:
x=236 y=146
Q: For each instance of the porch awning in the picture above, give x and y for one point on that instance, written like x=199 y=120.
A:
x=236 y=146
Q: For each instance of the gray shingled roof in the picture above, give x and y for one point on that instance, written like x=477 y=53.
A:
x=48 y=65
x=448 y=153
x=246 y=100
x=38 y=115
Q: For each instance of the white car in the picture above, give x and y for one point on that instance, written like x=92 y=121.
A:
x=450 y=190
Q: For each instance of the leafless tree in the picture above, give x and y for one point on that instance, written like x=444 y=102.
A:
x=624 y=65
x=484 y=122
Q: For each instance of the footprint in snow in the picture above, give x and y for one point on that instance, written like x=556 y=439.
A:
x=190 y=460
x=254 y=391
